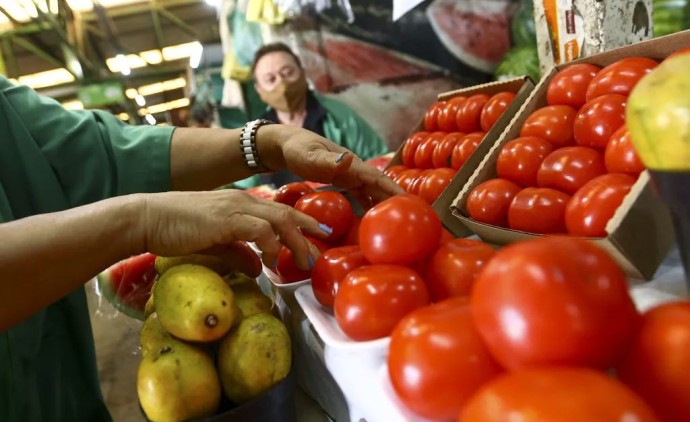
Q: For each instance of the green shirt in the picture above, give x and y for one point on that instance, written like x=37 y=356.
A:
x=52 y=159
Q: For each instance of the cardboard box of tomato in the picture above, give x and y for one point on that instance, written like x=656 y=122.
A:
x=422 y=153
x=579 y=159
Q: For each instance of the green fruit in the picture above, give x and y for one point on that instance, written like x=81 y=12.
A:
x=194 y=303
x=152 y=335
x=250 y=299
x=519 y=61
x=177 y=382
x=522 y=27
x=255 y=356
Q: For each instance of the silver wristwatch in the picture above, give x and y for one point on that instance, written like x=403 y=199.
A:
x=248 y=145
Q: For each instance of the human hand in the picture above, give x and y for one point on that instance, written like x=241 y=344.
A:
x=319 y=160
x=181 y=223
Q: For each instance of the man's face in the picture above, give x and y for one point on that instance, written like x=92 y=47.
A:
x=275 y=67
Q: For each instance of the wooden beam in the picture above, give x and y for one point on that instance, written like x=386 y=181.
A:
x=38 y=51
x=135 y=9
x=178 y=22
x=160 y=38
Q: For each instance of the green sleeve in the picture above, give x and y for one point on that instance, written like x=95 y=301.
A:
x=93 y=154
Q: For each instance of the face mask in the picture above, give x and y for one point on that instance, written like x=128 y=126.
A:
x=286 y=96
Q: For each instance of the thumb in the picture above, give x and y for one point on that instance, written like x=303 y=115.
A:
x=343 y=161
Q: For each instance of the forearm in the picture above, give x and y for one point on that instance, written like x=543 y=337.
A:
x=202 y=159
x=45 y=257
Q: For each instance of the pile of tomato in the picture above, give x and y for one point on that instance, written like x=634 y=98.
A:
x=544 y=329
x=453 y=130
x=573 y=162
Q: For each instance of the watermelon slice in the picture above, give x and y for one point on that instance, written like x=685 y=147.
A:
x=127 y=284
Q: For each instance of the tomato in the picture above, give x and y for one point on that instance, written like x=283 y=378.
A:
x=406 y=177
x=437 y=360
x=352 y=236
x=444 y=150
x=393 y=171
x=538 y=210
x=454 y=266
x=597 y=120
x=330 y=270
x=410 y=147
x=399 y=230
x=657 y=363
x=553 y=300
x=414 y=185
x=286 y=268
x=431 y=116
x=446 y=236
x=446 y=117
x=330 y=208
x=595 y=203
x=488 y=203
x=519 y=159
x=464 y=149
x=435 y=183
x=290 y=193
x=620 y=155
x=551 y=123
x=372 y=299
x=568 y=169
x=423 y=157
x=556 y=394
x=569 y=86
x=469 y=114
x=494 y=108
x=619 y=77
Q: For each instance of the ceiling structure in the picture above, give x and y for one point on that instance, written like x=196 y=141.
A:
x=58 y=46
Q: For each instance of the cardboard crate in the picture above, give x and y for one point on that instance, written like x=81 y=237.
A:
x=640 y=234
x=522 y=87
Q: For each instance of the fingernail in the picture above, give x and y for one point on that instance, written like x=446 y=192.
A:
x=311 y=262
x=324 y=228
x=340 y=157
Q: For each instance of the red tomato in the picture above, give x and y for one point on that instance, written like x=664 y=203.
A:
x=437 y=360
x=446 y=117
x=400 y=230
x=424 y=156
x=519 y=159
x=551 y=123
x=494 y=108
x=595 y=203
x=569 y=86
x=431 y=116
x=679 y=52
x=352 y=236
x=556 y=394
x=291 y=193
x=568 y=169
x=435 y=183
x=597 y=120
x=657 y=363
x=454 y=266
x=464 y=149
x=444 y=150
x=330 y=208
x=372 y=299
x=488 y=203
x=538 y=210
x=553 y=301
x=410 y=147
x=286 y=268
x=619 y=77
x=406 y=177
x=469 y=114
x=393 y=171
x=414 y=185
x=330 y=270
x=446 y=236
x=620 y=155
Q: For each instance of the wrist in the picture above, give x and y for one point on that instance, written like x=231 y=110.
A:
x=269 y=143
x=130 y=213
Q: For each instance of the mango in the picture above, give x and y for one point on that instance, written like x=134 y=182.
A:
x=177 y=382
x=253 y=357
x=249 y=297
x=194 y=303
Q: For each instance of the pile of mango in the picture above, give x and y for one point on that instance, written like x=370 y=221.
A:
x=207 y=332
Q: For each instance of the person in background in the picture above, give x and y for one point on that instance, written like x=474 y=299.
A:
x=280 y=81
x=81 y=190
x=201 y=113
